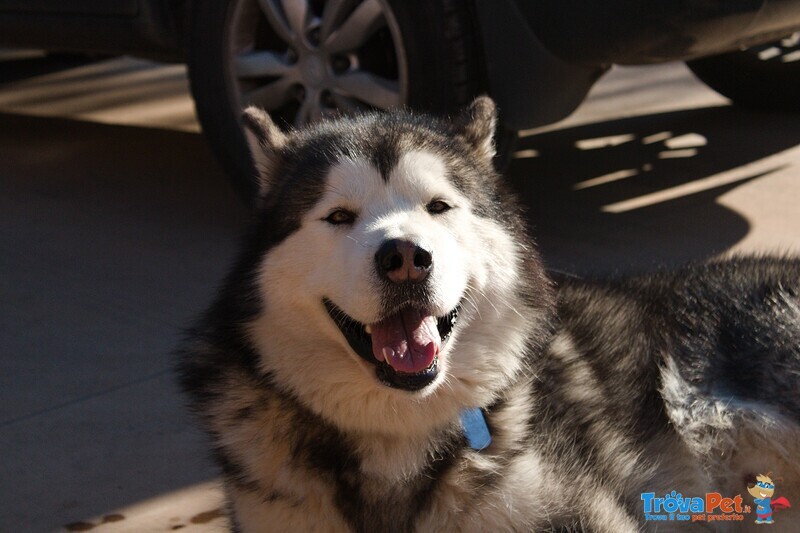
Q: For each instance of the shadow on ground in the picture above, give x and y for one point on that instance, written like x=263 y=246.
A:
x=112 y=238
x=637 y=193
x=29 y=67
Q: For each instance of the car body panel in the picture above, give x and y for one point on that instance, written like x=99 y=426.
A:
x=73 y=7
x=568 y=44
x=533 y=88
x=147 y=28
x=641 y=32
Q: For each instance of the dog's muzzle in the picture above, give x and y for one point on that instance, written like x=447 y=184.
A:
x=403 y=346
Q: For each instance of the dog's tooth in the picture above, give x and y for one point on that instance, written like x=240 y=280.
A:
x=368 y=329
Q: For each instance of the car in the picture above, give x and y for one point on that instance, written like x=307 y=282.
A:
x=304 y=60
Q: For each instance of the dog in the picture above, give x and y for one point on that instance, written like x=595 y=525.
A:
x=388 y=353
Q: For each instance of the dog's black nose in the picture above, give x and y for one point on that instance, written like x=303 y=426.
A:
x=400 y=261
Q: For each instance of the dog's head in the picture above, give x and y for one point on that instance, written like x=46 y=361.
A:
x=394 y=265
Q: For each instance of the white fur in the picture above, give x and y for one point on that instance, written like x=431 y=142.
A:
x=319 y=261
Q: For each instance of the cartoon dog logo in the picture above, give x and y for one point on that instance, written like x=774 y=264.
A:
x=762 y=492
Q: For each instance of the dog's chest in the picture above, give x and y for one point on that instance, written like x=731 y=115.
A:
x=381 y=487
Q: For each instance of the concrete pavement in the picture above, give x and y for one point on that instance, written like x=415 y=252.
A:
x=116 y=224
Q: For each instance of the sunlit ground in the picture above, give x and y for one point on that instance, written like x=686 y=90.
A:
x=117 y=91
x=137 y=92
x=746 y=160
x=194 y=508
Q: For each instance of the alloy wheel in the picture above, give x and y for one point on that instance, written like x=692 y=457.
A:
x=304 y=60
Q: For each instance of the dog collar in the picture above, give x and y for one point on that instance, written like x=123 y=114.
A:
x=475 y=429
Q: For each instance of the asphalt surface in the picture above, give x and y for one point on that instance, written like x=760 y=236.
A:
x=116 y=225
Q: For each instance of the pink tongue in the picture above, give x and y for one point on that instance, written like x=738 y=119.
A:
x=407 y=341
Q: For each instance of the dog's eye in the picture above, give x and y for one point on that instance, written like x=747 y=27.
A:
x=437 y=207
x=340 y=216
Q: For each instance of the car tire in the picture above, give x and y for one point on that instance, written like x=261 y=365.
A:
x=428 y=51
x=763 y=77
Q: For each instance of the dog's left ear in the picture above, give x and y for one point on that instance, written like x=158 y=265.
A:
x=476 y=125
x=266 y=140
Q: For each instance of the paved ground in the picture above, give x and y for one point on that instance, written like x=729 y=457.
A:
x=115 y=225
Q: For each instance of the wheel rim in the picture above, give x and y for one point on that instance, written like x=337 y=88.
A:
x=305 y=60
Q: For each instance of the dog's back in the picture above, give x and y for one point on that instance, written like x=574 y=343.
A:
x=685 y=380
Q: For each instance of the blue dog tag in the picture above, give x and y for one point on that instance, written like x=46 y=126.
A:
x=475 y=429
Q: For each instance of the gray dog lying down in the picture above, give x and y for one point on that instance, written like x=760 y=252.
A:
x=388 y=354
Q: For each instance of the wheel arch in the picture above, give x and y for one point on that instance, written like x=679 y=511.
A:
x=531 y=86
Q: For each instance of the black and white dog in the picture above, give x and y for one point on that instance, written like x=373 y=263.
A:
x=388 y=353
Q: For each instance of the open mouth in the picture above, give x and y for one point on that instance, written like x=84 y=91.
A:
x=404 y=347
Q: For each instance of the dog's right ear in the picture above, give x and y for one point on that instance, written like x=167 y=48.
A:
x=265 y=139
x=476 y=125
